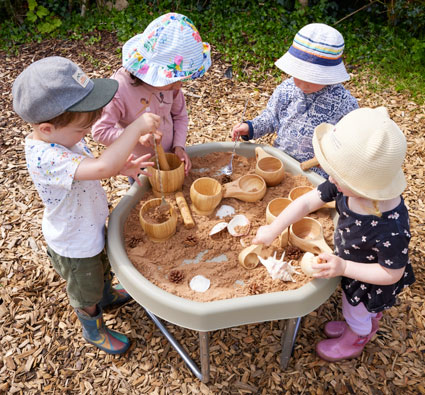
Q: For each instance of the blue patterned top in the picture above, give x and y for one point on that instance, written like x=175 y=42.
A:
x=294 y=115
x=371 y=239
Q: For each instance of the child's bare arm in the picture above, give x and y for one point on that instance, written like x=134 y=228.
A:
x=112 y=160
x=298 y=209
x=372 y=273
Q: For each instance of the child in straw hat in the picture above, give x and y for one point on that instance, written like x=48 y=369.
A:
x=312 y=96
x=154 y=65
x=363 y=155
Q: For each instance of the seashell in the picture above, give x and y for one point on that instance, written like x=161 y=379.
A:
x=224 y=211
x=306 y=261
x=239 y=225
x=278 y=268
x=217 y=228
x=199 y=283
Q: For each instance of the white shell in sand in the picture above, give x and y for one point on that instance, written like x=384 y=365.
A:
x=199 y=283
x=307 y=260
x=239 y=225
x=217 y=228
x=278 y=268
x=224 y=211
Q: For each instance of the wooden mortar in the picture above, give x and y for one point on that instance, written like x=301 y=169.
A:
x=161 y=231
x=206 y=194
x=269 y=167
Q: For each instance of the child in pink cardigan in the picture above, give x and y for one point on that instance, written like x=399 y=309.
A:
x=155 y=63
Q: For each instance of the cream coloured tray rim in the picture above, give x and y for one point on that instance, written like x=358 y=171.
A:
x=219 y=314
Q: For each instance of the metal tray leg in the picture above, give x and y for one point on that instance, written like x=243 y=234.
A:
x=289 y=334
x=204 y=373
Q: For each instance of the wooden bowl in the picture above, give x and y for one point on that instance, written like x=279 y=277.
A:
x=269 y=167
x=248 y=257
x=161 y=231
x=274 y=208
x=296 y=192
x=307 y=235
x=206 y=194
x=172 y=180
x=248 y=188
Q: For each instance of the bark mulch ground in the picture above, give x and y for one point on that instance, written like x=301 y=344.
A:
x=41 y=348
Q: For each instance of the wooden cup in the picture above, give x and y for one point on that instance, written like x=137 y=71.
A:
x=274 y=208
x=157 y=232
x=206 y=194
x=248 y=257
x=307 y=235
x=248 y=188
x=172 y=180
x=269 y=167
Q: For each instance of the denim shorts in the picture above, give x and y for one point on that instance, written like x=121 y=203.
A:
x=84 y=277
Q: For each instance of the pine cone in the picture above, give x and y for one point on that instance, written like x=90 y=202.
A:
x=190 y=241
x=254 y=289
x=176 y=276
x=293 y=253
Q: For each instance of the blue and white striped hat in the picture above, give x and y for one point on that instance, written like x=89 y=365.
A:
x=169 y=50
x=316 y=56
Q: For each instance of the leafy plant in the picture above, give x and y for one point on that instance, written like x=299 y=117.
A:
x=45 y=20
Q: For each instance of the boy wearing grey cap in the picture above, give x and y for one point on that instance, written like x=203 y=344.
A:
x=61 y=104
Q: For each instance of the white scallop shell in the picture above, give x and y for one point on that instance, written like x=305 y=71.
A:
x=199 y=283
x=218 y=228
x=224 y=211
x=306 y=261
x=239 y=225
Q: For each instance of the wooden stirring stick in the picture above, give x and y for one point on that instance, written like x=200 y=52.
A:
x=308 y=164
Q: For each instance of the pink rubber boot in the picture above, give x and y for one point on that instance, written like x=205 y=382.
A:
x=348 y=345
x=336 y=328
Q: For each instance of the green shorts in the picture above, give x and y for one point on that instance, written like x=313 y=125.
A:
x=84 y=277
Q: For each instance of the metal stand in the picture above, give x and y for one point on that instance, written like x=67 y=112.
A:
x=289 y=334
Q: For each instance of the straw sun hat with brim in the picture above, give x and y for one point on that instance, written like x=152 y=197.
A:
x=169 y=50
x=364 y=151
x=315 y=56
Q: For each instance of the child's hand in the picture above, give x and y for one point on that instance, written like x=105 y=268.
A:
x=148 y=122
x=132 y=167
x=264 y=236
x=241 y=129
x=184 y=157
x=330 y=266
x=147 y=139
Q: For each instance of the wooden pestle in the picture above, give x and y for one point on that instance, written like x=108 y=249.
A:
x=162 y=158
x=308 y=164
x=185 y=211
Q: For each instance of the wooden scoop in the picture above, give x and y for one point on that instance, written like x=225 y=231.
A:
x=248 y=188
x=307 y=234
x=248 y=257
x=269 y=167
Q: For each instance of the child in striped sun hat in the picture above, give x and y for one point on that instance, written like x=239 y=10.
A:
x=312 y=96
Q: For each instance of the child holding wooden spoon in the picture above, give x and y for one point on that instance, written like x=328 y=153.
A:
x=363 y=155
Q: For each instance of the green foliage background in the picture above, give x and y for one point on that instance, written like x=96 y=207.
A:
x=385 y=38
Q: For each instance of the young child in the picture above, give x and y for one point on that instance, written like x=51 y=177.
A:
x=61 y=103
x=155 y=63
x=312 y=96
x=363 y=155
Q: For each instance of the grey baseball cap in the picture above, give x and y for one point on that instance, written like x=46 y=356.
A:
x=54 y=85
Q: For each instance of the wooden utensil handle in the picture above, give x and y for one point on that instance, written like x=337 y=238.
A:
x=163 y=163
x=185 y=211
x=308 y=164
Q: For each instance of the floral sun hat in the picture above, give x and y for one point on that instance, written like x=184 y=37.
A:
x=364 y=151
x=169 y=50
x=316 y=56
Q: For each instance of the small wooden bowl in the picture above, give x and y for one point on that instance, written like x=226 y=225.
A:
x=157 y=232
x=206 y=194
x=248 y=257
x=269 y=167
x=274 y=208
x=296 y=192
x=248 y=188
x=307 y=234
x=172 y=180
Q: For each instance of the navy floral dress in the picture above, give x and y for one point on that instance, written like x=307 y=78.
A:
x=294 y=115
x=371 y=239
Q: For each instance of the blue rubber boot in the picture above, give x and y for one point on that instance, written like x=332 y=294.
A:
x=96 y=333
x=113 y=296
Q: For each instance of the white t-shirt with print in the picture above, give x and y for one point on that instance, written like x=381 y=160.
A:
x=75 y=211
